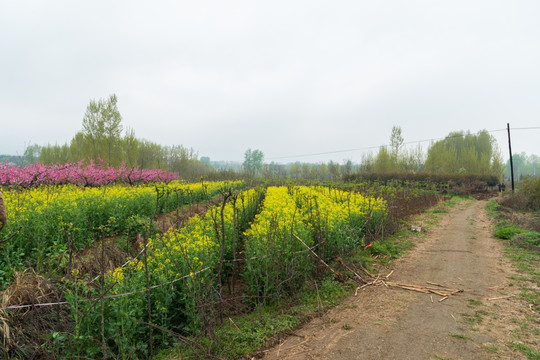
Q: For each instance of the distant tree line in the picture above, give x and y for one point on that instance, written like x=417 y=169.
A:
x=458 y=153
x=524 y=165
x=102 y=138
x=12 y=159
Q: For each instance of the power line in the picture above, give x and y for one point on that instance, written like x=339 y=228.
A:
x=526 y=128
x=379 y=146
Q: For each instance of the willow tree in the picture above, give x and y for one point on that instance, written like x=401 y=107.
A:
x=464 y=152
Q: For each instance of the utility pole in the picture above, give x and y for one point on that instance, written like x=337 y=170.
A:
x=511 y=161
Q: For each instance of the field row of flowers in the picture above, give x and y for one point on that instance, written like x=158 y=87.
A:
x=54 y=220
x=202 y=255
x=337 y=208
x=195 y=255
x=78 y=173
x=334 y=221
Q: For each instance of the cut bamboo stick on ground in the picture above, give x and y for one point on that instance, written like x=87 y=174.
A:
x=440 y=293
x=440 y=290
x=408 y=287
x=445 y=293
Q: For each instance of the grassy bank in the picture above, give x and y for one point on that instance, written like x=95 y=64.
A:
x=518 y=228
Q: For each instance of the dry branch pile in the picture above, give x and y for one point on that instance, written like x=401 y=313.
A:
x=369 y=279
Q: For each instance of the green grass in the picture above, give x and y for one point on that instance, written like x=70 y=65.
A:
x=439 y=211
x=473 y=302
x=506 y=231
x=461 y=336
x=520 y=246
x=456 y=198
x=437 y=357
x=475 y=319
x=492 y=349
x=493 y=207
x=531 y=353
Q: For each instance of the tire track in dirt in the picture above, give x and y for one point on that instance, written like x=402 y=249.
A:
x=389 y=323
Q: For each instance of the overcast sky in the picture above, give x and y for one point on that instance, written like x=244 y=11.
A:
x=286 y=77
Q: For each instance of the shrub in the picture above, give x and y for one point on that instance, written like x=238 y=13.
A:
x=506 y=231
x=530 y=188
x=528 y=239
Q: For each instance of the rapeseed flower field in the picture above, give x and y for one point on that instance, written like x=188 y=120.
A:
x=335 y=221
x=179 y=275
x=51 y=220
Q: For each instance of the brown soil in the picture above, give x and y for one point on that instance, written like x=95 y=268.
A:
x=391 y=323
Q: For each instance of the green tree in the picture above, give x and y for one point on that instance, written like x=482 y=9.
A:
x=383 y=161
x=152 y=155
x=347 y=168
x=464 y=152
x=396 y=141
x=205 y=160
x=102 y=128
x=31 y=154
x=253 y=161
x=367 y=163
x=130 y=148
x=333 y=169
x=78 y=147
x=497 y=164
x=55 y=154
x=524 y=165
x=295 y=170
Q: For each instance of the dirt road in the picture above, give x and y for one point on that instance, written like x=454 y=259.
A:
x=390 y=323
